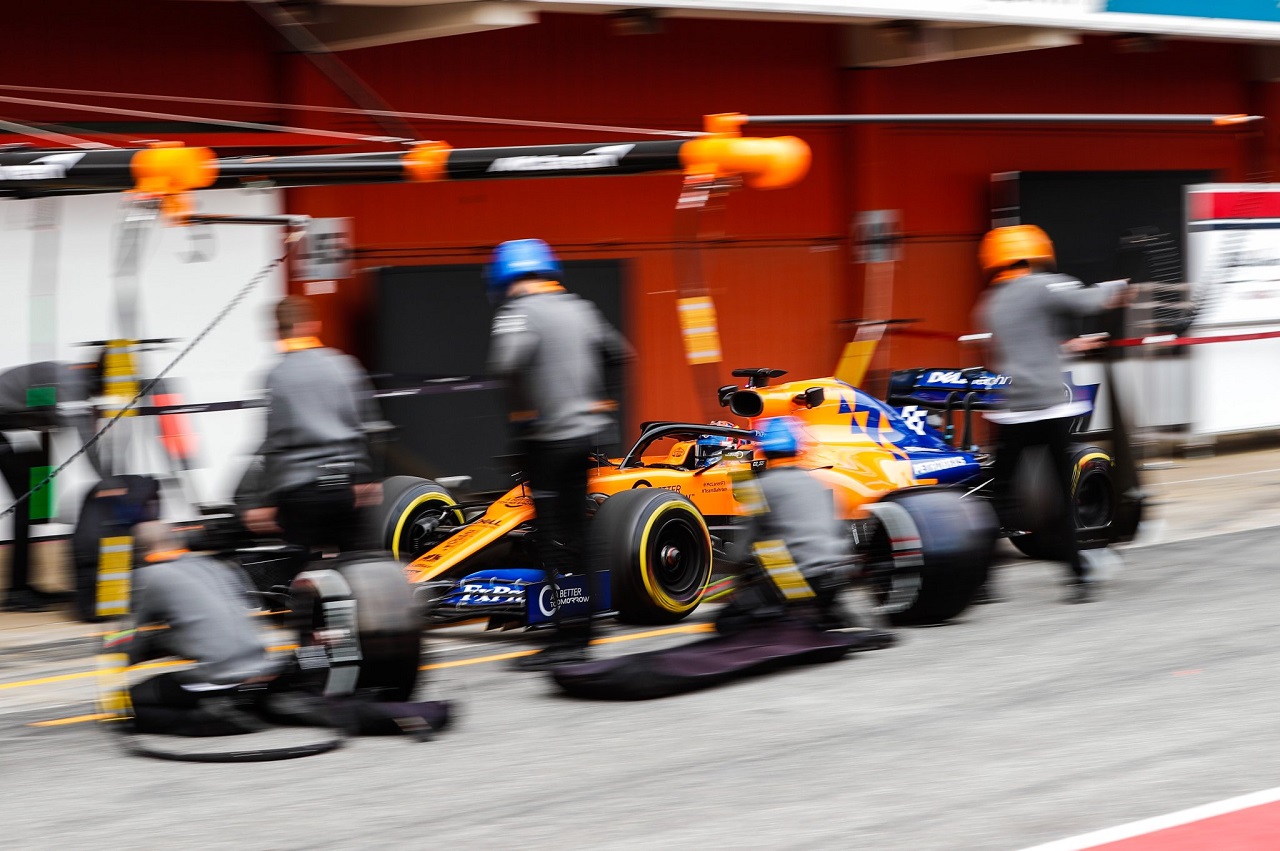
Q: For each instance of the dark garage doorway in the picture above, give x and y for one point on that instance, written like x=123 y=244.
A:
x=433 y=323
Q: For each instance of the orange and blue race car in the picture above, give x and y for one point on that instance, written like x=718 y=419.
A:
x=662 y=514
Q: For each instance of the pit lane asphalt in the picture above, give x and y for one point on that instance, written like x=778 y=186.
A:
x=1024 y=722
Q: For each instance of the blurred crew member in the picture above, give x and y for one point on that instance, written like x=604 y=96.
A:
x=793 y=522
x=561 y=362
x=35 y=399
x=1028 y=311
x=316 y=468
x=205 y=604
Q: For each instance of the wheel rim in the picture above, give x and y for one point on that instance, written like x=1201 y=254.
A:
x=409 y=539
x=1093 y=501
x=679 y=562
x=892 y=590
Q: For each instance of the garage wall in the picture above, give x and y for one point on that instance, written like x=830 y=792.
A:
x=185 y=278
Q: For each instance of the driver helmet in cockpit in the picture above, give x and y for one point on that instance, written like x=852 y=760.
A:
x=710 y=448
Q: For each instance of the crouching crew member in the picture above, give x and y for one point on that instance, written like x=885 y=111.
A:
x=316 y=470
x=1029 y=311
x=562 y=366
x=791 y=535
x=203 y=605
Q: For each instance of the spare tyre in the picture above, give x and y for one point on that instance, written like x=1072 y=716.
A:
x=388 y=628
x=930 y=555
x=657 y=549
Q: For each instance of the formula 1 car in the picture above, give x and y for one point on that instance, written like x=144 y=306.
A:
x=662 y=514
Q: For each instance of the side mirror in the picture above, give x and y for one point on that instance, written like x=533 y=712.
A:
x=811 y=398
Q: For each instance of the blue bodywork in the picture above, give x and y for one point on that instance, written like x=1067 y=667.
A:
x=521 y=594
x=908 y=430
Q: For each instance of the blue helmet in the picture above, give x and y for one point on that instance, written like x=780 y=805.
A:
x=780 y=436
x=710 y=449
x=520 y=258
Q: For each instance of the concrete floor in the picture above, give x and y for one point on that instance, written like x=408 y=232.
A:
x=1021 y=723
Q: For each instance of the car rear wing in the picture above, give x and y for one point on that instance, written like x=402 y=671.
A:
x=942 y=389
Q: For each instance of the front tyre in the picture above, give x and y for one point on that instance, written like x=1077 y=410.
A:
x=657 y=549
x=411 y=509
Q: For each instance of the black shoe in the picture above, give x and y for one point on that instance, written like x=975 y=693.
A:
x=1082 y=592
x=552 y=657
x=220 y=716
x=298 y=708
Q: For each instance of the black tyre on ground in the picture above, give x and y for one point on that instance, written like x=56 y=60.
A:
x=1093 y=499
x=657 y=549
x=388 y=626
x=406 y=501
x=935 y=580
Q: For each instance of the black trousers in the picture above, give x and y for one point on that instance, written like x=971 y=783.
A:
x=162 y=705
x=316 y=516
x=1054 y=437
x=16 y=466
x=558 y=473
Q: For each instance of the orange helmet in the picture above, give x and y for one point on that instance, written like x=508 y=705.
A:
x=1005 y=247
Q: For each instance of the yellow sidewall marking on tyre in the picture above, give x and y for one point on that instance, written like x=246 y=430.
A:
x=1085 y=459
x=404 y=515
x=650 y=582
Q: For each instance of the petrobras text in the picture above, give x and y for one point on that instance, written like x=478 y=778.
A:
x=607 y=156
x=922 y=468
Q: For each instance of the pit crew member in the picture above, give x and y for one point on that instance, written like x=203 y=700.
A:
x=561 y=363
x=1028 y=311
x=316 y=468
x=791 y=527
x=204 y=603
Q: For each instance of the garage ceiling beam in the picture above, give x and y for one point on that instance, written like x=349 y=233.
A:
x=913 y=42
x=347 y=27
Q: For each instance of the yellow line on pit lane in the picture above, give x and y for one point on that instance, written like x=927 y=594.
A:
x=77 y=719
x=436 y=666
x=147 y=666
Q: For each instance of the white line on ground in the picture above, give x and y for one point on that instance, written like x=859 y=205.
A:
x=1151 y=825
x=1219 y=478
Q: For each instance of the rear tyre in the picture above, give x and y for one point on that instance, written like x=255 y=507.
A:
x=657 y=549
x=934 y=580
x=1093 y=502
x=407 y=500
x=387 y=624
